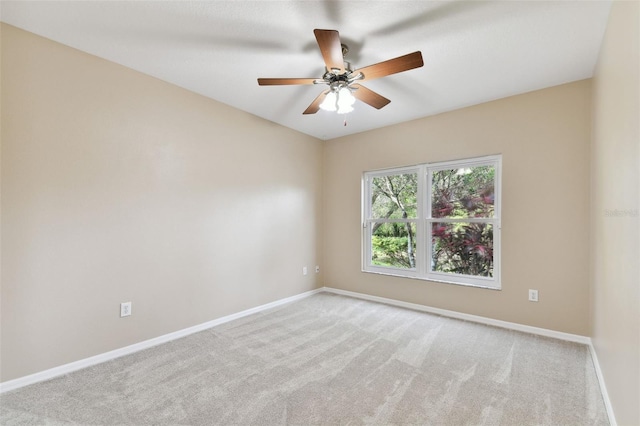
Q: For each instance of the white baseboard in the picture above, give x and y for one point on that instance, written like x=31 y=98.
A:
x=603 y=387
x=117 y=353
x=467 y=317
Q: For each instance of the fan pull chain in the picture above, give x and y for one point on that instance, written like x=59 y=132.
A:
x=345 y=122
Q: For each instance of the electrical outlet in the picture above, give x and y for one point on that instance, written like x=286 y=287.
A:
x=533 y=295
x=125 y=309
x=304 y=270
x=317 y=269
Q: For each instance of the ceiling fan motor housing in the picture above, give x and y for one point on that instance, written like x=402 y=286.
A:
x=336 y=80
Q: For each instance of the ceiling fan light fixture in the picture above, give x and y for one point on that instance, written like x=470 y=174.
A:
x=330 y=101
x=345 y=97
x=339 y=99
x=345 y=100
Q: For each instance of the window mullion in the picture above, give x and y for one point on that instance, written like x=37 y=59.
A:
x=427 y=221
x=420 y=223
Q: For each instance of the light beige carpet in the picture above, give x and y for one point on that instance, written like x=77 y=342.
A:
x=329 y=359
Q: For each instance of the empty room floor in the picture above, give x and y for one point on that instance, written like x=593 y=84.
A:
x=329 y=359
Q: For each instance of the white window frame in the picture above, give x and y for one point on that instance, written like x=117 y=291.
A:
x=424 y=220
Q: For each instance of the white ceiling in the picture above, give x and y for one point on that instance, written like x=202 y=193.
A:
x=474 y=51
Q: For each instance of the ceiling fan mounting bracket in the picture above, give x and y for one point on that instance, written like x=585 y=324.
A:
x=345 y=49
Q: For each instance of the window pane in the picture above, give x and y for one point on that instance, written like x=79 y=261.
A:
x=393 y=244
x=394 y=197
x=463 y=192
x=462 y=248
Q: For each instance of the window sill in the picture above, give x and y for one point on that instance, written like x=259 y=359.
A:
x=497 y=287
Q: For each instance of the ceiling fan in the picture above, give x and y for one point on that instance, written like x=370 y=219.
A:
x=343 y=84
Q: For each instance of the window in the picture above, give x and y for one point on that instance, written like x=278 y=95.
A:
x=438 y=221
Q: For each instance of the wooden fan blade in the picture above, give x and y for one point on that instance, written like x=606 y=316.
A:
x=315 y=105
x=392 y=66
x=369 y=96
x=284 y=81
x=331 y=49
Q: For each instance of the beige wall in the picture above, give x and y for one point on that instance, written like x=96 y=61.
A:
x=544 y=139
x=616 y=236
x=119 y=187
